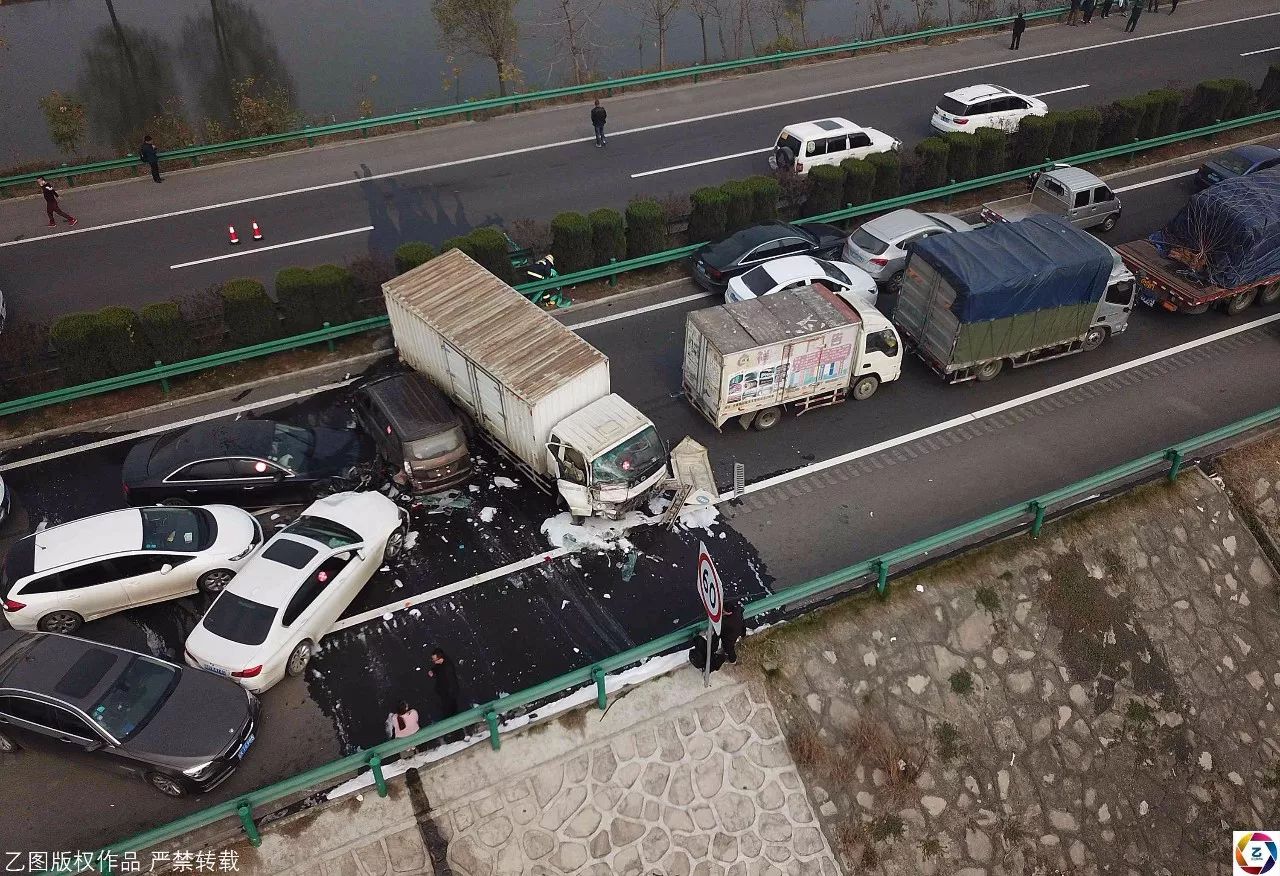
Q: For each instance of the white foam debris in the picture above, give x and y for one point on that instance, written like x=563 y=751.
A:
x=487 y=513
x=399 y=583
x=658 y=504
x=413 y=612
x=594 y=532
x=387 y=616
x=500 y=481
x=473 y=488
x=563 y=603
x=699 y=516
x=410 y=540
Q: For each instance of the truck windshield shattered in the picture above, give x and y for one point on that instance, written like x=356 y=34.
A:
x=631 y=461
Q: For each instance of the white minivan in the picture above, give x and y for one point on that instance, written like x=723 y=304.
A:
x=827 y=141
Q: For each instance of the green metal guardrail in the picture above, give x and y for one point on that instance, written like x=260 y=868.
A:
x=309 y=134
x=605 y=272
x=1029 y=514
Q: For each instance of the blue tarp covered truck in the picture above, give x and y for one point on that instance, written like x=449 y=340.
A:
x=1223 y=247
x=1011 y=293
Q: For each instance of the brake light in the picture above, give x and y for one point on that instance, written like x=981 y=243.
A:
x=251 y=672
x=713 y=273
x=879 y=263
x=11 y=605
x=960 y=121
x=126 y=490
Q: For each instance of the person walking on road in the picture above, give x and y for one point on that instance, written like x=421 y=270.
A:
x=1173 y=7
x=1106 y=7
x=151 y=157
x=1134 y=15
x=1075 y=10
x=1019 y=25
x=51 y=203
x=1089 y=6
x=733 y=629
x=598 y=117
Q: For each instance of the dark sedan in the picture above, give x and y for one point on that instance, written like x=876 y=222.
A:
x=241 y=462
x=716 y=263
x=1236 y=161
x=183 y=730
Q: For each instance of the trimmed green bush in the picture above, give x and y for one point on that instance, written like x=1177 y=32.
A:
x=911 y=173
x=709 y=215
x=489 y=248
x=859 y=181
x=126 y=348
x=608 y=236
x=1269 y=93
x=1033 y=141
x=992 y=149
x=1169 y=102
x=646 y=228
x=1149 y=117
x=461 y=242
x=166 y=331
x=1060 y=139
x=931 y=172
x=409 y=255
x=962 y=155
x=1120 y=122
x=1086 y=125
x=80 y=342
x=335 y=295
x=739 y=205
x=296 y=295
x=1217 y=100
x=826 y=190
x=765 y=194
x=248 y=312
x=888 y=175
x=571 y=242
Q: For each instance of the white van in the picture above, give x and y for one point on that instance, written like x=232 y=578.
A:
x=827 y=141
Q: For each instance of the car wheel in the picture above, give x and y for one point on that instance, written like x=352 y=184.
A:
x=60 y=622
x=212 y=582
x=1110 y=221
x=989 y=370
x=299 y=659
x=865 y=387
x=1094 y=337
x=1269 y=294
x=175 y=502
x=767 y=419
x=8 y=746
x=894 y=285
x=395 y=544
x=1240 y=303
x=166 y=785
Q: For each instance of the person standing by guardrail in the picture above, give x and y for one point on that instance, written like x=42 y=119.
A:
x=1075 y=10
x=1089 y=6
x=598 y=117
x=733 y=629
x=1134 y=15
x=51 y=203
x=445 y=675
x=1106 y=7
x=151 y=157
x=1019 y=25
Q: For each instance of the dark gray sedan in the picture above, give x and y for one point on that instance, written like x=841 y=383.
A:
x=183 y=730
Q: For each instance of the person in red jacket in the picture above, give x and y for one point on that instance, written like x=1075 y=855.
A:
x=51 y=203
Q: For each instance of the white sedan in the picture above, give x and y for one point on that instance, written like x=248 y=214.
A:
x=848 y=281
x=267 y=622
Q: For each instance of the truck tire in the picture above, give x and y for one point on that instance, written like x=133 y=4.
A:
x=767 y=419
x=894 y=286
x=1194 y=311
x=1240 y=303
x=1094 y=337
x=1110 y=222
x=988 y=370
x=865 y=387
x=1269 y=294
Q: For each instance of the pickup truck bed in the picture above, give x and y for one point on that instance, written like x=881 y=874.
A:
x=1165 y=283
x=1011 y=209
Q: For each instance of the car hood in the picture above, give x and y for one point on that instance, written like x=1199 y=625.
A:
x=827 y=235
x=199 y=721
x=336 y=450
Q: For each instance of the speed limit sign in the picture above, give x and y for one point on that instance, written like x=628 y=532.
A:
x=710 y=590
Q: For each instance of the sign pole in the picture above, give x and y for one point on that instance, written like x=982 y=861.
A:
x=706 y=671
x=711 y=592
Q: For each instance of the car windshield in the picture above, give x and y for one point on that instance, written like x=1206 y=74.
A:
x=868 y=242
x=291 y=446
x=236 y=619
x=133 y=697
x=952 y=107
x=1233 y=162
x=331 y=535
x=834 y=273
x=632 y=460
x=437 y=445
x=759 y=281
x=174 y=529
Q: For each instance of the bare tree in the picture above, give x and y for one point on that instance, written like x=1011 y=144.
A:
x=797 y=11
x=705 y=9
x=573 y=19
x=657 y=15
x=924 y=13
x=486 y=28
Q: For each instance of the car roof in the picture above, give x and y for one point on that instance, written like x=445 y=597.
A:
x=1254 y=152
x=39 y=662
x=822 y=128
x=412 y=404
x=893 y=225
x=737 y=244
x=975 y=93
x=791 y=268
x=1075 y=178
x=211 y=440
x=84 y=539
x=270 y=582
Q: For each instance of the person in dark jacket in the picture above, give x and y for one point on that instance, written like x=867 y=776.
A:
x=151 y=157
x=1088 y=7
x=446 y=679
x=51 y=202
x=1075 y=10
x=1152 y=5
x=598 y=117
x=1106 y=7
x=733 y=629
x=1134 y=14
x=1019 y=25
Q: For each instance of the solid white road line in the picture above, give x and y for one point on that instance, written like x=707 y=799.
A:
x=1059 y=90
x=676 y=122
x=1155 y=182
x=1260 y=51
x=661 y=305
x=703 y=161
x=258 y=249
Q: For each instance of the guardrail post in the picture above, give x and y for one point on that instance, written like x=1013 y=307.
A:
x=1038 y=510
x=882 y=577
x=195 y=160
x=311 y=141
x=602 y=698
x=613 y=278
x=364 y=132
x=246 y=821
x=164 y=381
x=468 y=115
x=1174 y=455
x=332 y=348
x=608 y=92
x=375 y=765
x=491 y=718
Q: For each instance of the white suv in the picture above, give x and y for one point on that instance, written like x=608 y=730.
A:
x=827 y=141
x=984 y=106
x=56 y=579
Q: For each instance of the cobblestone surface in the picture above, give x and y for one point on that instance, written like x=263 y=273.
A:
x=1101 y=700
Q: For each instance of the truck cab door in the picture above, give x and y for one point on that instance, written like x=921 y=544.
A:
x=571 y=478
x=881 y=354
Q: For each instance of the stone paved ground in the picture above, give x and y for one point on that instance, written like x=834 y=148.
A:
x=1099 y=701
x=1252 y=475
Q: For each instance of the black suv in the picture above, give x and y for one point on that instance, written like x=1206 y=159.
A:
x=183 y=730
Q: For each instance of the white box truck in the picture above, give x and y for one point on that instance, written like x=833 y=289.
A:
x=536 y=389
x=800 y=349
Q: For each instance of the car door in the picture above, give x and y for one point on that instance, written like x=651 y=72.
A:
x=205 y=480
x=860 y=145
x=91 y=589
x=259 y=482
x=1013 y=111
x=1082 y=209
x=324 y=596
x=1104 y=203
x=881 y=356
x=758 y=256
x=63 y=734
x=154 y=576
x=836 y=149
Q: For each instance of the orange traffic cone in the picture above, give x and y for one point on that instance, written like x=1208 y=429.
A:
x=231 y=233
x=257 y=232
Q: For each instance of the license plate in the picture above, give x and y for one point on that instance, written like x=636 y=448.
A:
x=244 y=746
x=1147 y=299
x=218 y=670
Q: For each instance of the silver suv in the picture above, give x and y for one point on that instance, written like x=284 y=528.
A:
x=880 y=246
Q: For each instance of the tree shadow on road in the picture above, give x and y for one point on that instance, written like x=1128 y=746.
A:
x=401 y=213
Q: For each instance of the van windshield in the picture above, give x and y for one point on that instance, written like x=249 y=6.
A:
x=437 y=445
x=631 y=461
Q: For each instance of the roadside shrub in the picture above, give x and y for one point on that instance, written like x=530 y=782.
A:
x=126 y=348
x=1217 y=100
x=247 y=311
x=410 y=255
x=608 y=236
x=1149 y=114
x=1269 y=93
x=79 y=341
x=1033 y=141
x=826 y=188
x=991 y=154
x=571 y=242
x=911 y=174
x=765 y=194
x=1061 y=136
x=931 y=173
x=646 y=228
x=888 y=175
x=962 y=155
x=739 y=205
x=1120 y=122
x=1086 y=124
x=859 y=181
x=166 y=331
x=1169 y=104
x=709 y=214
x=335 y=295
x=489 y=248
x=296 y=295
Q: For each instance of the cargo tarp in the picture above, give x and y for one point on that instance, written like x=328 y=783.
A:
x=1228 y=234
x=1013 y=268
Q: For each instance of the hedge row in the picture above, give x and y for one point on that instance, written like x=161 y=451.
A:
x=720 y=210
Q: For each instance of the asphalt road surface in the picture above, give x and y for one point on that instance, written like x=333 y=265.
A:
x=1177 y=379
x=139 y=242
